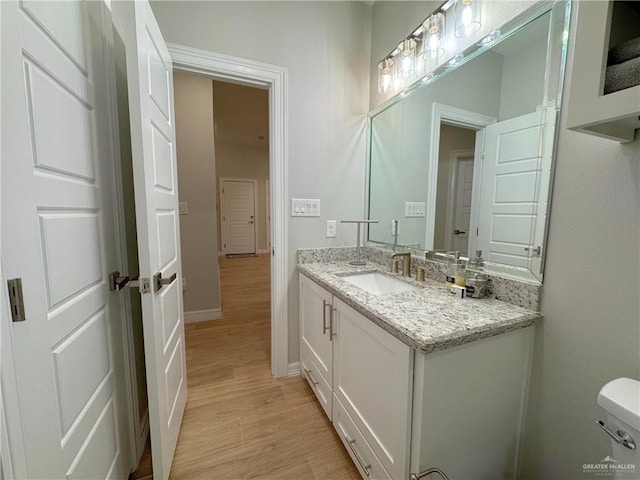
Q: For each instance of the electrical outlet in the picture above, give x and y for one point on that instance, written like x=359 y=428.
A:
x=332 y=228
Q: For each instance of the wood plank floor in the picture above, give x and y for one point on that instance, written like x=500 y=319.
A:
x=240 y=422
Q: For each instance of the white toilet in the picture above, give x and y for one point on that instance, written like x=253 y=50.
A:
x=620 y=398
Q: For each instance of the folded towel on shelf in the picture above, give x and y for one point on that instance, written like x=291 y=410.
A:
x=624 y=52
x=621 y=76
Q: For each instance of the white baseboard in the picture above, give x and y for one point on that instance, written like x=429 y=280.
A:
x=294 y=369
x=202 y=315
x=260 y=251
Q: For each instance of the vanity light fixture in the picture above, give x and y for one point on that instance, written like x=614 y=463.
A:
x=432 y=36
x=385 y=76
x=467 y=21
x=406 y=58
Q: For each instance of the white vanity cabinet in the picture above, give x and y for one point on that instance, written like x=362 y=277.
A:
x=368 y=371
x=398 y=411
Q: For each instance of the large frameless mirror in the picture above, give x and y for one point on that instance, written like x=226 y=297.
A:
x=464 y=160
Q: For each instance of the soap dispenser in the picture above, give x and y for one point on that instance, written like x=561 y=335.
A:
x=476 y=279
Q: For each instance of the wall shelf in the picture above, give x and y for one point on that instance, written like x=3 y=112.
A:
x=615 y=116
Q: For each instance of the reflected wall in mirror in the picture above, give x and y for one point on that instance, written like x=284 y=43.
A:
x=465 y=163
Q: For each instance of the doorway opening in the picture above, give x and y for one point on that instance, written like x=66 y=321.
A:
x=455 y=188
x=223 y=166
x=271 y=246
x=454 y=170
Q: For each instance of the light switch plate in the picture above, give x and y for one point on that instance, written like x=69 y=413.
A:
x=414 y=209
x=183 y=208
x=305 y=207
x=332 y=228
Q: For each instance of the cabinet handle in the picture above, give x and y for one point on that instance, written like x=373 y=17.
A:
x=366 y=468
x=324 y=316
x=331 y=332
x=310 y=377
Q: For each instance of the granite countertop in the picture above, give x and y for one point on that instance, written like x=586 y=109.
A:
x=428 y=320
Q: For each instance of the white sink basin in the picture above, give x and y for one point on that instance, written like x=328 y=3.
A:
x=378 y=283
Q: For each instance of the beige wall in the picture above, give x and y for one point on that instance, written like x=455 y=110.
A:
x=197 y=186
x=451 y=138
x=325 y=48
x=591 y=329
x=242 y=144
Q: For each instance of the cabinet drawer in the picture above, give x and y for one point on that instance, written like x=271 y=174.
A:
x=363 y=457
x=319 y=385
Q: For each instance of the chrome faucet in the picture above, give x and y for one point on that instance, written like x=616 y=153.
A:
x=406 y=262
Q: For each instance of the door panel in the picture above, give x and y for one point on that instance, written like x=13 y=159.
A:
x=315 y=334
x=238 y=216
x=462 y=208
x=155 y=181
x=58 y=236
x=372 y=381
x=508 y=208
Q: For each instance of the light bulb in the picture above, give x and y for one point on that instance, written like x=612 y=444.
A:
x=467 y=18
x=385 y=80
x=406 y=59
x=433 y=33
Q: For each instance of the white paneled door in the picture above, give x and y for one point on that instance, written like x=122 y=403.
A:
x=238 y=216
x=65 y=358
x=150 y=80
x=463 y=195
x=517 y=160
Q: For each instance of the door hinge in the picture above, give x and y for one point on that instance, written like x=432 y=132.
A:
x=16 y=300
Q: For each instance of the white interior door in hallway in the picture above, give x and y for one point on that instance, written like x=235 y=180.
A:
x=62 y=370
x=462 y=195
x=238 y=222
x=151 y=107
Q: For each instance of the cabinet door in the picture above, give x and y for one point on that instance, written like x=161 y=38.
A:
x=373 y=375
x=315 y=319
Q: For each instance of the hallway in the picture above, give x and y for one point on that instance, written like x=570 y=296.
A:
x=241 y=423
